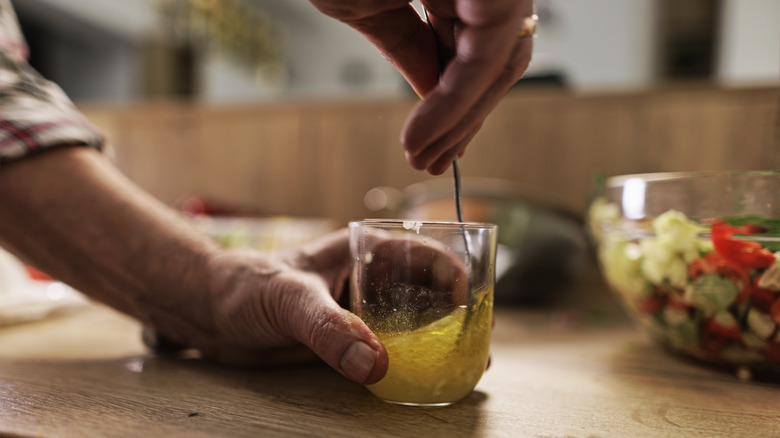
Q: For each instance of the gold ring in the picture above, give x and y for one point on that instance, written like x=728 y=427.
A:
x=528 y=26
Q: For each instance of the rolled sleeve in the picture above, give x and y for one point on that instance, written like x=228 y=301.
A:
x=35 y=114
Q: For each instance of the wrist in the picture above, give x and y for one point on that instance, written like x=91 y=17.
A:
x=179 y=302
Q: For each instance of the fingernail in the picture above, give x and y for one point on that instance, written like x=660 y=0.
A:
x=358 y=361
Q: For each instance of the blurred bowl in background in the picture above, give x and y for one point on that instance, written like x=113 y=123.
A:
x=235 y=225
x=694 y=259
x=263 y=233
x=542 y=245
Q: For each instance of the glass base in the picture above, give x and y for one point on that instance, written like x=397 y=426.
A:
x=418 y=404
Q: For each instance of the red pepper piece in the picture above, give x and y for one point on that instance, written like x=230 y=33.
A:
x=704 y=265
x=743 y=253
x=713 y=263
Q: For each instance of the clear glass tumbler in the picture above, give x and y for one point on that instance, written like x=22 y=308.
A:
x=426 y=290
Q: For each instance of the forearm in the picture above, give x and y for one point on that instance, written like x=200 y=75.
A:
x=72 y=214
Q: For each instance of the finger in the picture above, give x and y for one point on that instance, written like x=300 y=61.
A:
x=407 y=42
x=435 y=151
x=445 y=161
x=484 y=49
x=436 y=157
x=481 y=55
x=337 y=336
x=270 y=307
x=436 y=160
x=445 y=30
x=513 y=71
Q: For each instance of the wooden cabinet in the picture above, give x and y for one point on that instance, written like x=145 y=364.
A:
x=320 y=158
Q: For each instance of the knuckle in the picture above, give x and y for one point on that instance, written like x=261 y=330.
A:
x=418 y=162
x=326 y=328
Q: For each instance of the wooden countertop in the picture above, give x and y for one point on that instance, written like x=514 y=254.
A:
x=575 y=370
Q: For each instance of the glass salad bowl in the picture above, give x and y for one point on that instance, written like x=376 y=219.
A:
x=695 y=259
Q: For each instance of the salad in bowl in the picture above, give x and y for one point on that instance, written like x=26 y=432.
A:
x=695 y=259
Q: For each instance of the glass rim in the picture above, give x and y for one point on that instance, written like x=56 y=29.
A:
x=620 y=180
x=411 y=224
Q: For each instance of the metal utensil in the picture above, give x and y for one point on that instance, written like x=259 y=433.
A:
x=458 y=208
x=458 y=202
x=455 y=164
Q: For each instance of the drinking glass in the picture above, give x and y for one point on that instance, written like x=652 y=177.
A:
x=426 y=290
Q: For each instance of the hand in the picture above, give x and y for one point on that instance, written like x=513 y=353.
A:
x=477 y=39
x=278 y=308
x=282 y=308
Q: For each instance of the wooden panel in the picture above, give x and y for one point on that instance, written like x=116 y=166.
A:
x=355 y=148
x=320 y=158
x=253 y=157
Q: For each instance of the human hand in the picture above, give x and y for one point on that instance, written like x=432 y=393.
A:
x=482 y=58
x=279 y=308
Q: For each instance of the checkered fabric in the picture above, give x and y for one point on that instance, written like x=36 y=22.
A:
x=35 y=114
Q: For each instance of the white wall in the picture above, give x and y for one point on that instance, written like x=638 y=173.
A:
x=749 y=50
x=598 y=44
x=324 y=50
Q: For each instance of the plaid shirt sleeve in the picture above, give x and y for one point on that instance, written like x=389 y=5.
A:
x=35 y=114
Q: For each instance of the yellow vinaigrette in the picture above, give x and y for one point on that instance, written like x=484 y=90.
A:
x=438 y=363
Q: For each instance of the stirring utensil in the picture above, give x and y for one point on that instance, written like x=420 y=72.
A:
x=458 y=204
x=455 y=164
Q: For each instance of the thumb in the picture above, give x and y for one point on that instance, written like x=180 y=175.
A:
x=337 y=336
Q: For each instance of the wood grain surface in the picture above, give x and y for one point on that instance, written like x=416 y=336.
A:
x=319 y=158
x=577 y=369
